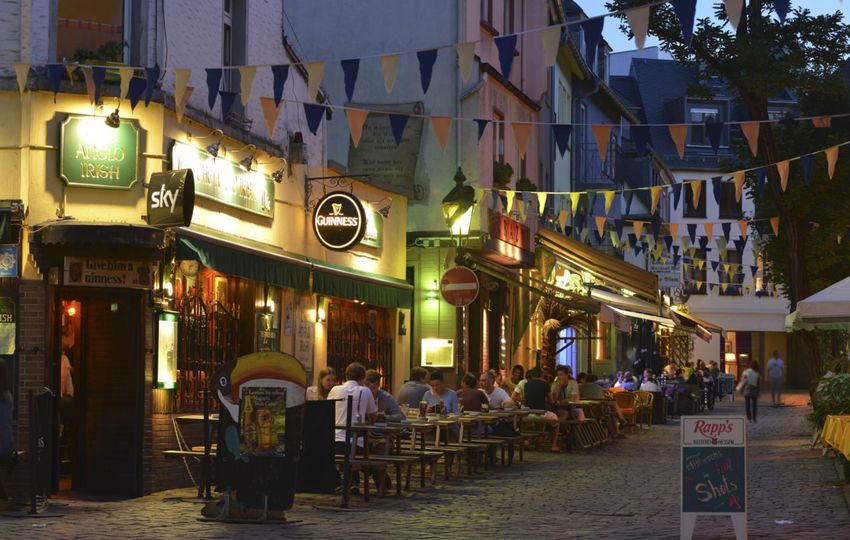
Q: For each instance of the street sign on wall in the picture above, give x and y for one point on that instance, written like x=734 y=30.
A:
x=714 y=471
x=669 y=274
x=459 y=286
x=95 y=155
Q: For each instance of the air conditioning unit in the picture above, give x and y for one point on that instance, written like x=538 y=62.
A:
x=438 y=353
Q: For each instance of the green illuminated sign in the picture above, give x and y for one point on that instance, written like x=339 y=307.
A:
x=222 y=180
x=95 y=155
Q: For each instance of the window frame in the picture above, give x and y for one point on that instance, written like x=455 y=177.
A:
x=698 y=125
x=129 y=38
x=688 y=212
x=727 y=197
x=498 y=136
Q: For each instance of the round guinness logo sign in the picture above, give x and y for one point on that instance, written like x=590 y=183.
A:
x=339 y=220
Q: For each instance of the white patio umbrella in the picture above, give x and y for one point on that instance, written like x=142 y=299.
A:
x=828 y=309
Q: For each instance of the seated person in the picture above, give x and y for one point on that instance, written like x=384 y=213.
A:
x=387 y=405
x=537 y=397
x=438 y=394
x=649 y=384
x=670 y=369
x=588 y=389
x=411 y=392
x=324 y=382
x=496 y=397
x=510 y=386
x=470 y=397
x=364 y=407
x=565 y=388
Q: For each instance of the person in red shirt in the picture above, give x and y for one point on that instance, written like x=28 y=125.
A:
x=470 y=397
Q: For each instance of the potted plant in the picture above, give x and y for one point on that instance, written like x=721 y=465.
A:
x=502 y=173
x=524 y=184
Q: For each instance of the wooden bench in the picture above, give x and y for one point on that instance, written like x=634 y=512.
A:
x=427 y=458
x=400 y=461
x=370 y=467
x=186 y=453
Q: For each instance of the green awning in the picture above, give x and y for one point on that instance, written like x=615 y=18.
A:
x=333 y=280
x=244 y=258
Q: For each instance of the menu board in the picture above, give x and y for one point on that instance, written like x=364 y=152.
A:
x=262 y=419
x=713 y=479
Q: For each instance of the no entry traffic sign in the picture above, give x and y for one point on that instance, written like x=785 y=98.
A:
x=459 y=286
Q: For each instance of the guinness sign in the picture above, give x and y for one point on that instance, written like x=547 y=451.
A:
x=339 y=221
x=171 y=198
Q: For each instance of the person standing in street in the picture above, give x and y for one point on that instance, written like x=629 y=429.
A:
x=776 y=373
x=750 y=378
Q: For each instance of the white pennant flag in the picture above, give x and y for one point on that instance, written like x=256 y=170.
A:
x=465 y=58
x=21 y=72
x=126 y=73
x=315 y=72
x=550 y=39
x=246 y=82
x=639 y=22
x=389 y=65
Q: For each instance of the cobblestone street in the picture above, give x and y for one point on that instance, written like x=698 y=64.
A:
x=628 y=489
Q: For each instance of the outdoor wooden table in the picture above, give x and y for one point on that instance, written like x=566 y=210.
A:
x=423 y=426
x=386 y=431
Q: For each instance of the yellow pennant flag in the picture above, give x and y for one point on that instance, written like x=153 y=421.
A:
x=700 y=264
x=831 y=160
x=727 y=268
x=822 y=121
x=751 y=132
x=602 y=134
x=541 y=201
x=180 y=108
x=315 y=73
x=510 y=194
x=389 y=66
x=562 y=219
x=522 y=130
x=270 y=113
x=523 y=209
x=609 y=198
x=600 y=225
x=638 y=226
x=699 y=285
x=724 y=286
x=22 y=70
x=550 y=39
x=738 y=178
x=465 y=59
x=743 y=224
x=696 y=188
x=441 y=125
x=126 y=74
x=774 y=224
x=87 y=75
x=709 y=230
x=246 y=83
x=674 y=229
x=679 y=134
x=655 y=192
x=181 y=81
x=574 y=199
x=782 y=168
x=356 y=119
x=692 y=251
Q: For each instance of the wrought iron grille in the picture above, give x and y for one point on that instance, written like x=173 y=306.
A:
x=359 y=334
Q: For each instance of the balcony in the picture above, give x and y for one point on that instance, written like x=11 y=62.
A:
x=589 y=171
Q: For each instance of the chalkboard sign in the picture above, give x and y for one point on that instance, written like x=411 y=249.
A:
x=713 y=479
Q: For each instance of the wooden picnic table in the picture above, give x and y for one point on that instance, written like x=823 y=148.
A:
x=385 y=431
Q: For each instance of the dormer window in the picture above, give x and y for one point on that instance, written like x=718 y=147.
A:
x=698 y=115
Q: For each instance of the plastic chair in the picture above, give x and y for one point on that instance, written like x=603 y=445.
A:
x=644 y=407
x=627 y=401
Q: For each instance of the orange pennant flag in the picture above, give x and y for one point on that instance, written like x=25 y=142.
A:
x=674 y=229
x=782 y=169
x=696 y=188
x=679 y=133
x=180 y=108
x=441 y=125
x=655 y=191
x=774 y=224
x=638 y=226
x=751 y=132
x=356 y=119
x=743 y=225
x=600 y=225
x=831 y=160
x=709 y=230
x=562 y=219
x=522 y=130
x=270 y=113
x=822 y=121
x=738 y=178
x=602 y=134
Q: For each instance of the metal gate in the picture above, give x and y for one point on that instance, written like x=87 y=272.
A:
x=360 y=334
x=208 y=337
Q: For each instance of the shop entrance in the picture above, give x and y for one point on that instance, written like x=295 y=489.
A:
x=100 y=379
x=360 y=333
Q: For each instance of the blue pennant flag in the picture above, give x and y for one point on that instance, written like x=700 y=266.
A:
x=397 y=123
x=668 y=241
x=806 y=161
x=685 y=11
x=482 y=125
x=561 y=132
x=703 y=242
x=135 y=91
x=98 y=74
x=507 y=47
x=645 y=245
x=227 y=100
x=655 y=227
x=591 y=202
x=151 y=78
x=638 y=249
x=495 y=195
x=640 y=135
x=592 y=29
x=740 y=245
x=213 y=82
x=55 y=73
x=714 y=265
x=761 y=179
x=580 y=222
x=676 y=249
x=628 y=196
x=754 y=270
x=692 y=232
x=717 y=188
x=714 y=130
x=314 y=114
x=676 y=259
x=618 y=226
x=677 y=195
x=633 y=239
x=350 y=69
x=781 y=7
x=727 y=228
x=279 y=75
x=426 y=67
x=568 y=230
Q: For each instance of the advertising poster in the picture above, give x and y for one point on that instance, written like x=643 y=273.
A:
x=262 y=420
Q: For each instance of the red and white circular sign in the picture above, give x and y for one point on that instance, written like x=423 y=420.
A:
x=459 y=286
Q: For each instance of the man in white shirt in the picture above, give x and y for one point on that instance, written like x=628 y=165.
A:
x=776 y=374
x=497 y=397
x=648 y=384
x=363 y=408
